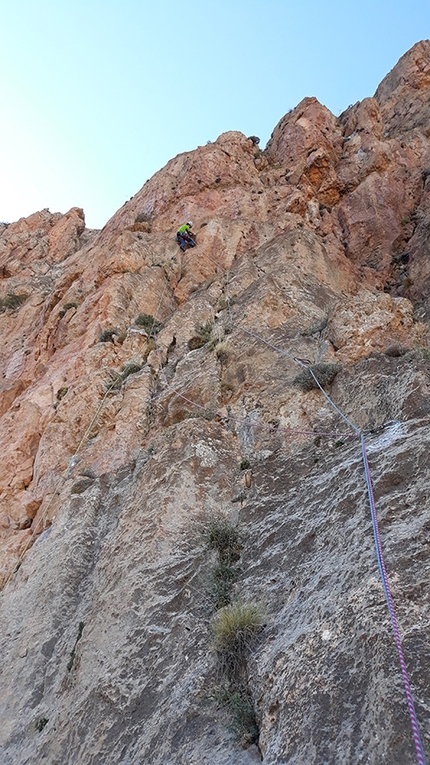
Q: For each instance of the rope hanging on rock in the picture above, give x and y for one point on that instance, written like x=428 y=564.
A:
x=386 y=585
x=357 y=432
x=378 y=546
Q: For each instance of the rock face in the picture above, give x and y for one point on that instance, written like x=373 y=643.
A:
x=143 y=396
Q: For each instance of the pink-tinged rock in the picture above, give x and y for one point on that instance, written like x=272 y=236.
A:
x=302 y=226
x=370 y=219
x=29 y=504
x=373 y=322
x=403 y=94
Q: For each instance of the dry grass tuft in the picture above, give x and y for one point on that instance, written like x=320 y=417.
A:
x=325 y=374
x=235 y=625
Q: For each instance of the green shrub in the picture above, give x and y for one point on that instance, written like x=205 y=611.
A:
x=196 y=342
x=395 y=351
x=223 y=303
x=221 y=587
x=203 y=335
x=206 y=414
x=325 y=374
x=117 y=378
x=244 y=724
x=235 y=628
x=150 y=346
x=66 y=307
x=114 y=382
x=130 y=369
x=87 y=473
x=81 y=485
x=222 y=536
x=41 y=723
x=12 y=301
x=151 y=325
x=107 y=335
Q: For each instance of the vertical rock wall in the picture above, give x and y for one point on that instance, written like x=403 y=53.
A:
x=119 y=447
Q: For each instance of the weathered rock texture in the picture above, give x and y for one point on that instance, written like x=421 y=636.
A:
x=320 y=245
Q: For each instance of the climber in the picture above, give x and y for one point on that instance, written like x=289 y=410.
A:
x=183 y=236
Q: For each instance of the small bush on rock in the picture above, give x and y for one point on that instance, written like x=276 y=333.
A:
x=12 y=301
x=325 y=374
x=66 y=307
x=142 y=218
x=130 y=369
x=107 y=335
x=203 y=335
x=196 y=342
x=235 y=626
x=151 y=325
x=395 y=351
x=223 y=537
x=41 y=723
x=244 y=725
x=223 y=580
x=117 y=378
x=227 y=387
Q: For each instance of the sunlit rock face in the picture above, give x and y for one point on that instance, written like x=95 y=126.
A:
x=145 y=391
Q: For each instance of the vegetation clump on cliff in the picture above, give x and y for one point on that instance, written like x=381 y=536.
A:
x=235 y=626
x=151 y=325
x=12 y=301
x=324 y=373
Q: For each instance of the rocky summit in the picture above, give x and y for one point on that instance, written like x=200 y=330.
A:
x=187 y=558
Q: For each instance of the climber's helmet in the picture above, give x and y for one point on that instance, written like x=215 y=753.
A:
x=189 y=223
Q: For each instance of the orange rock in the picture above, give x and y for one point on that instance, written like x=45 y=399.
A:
x=324 y=237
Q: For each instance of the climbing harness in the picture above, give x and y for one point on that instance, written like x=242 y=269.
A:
x=380 y=428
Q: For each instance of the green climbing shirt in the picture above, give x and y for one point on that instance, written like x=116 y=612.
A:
x=185 y=229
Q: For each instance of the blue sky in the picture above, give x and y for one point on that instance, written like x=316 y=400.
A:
x=97 y=95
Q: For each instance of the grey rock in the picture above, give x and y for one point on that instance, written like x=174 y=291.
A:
x=130 y=563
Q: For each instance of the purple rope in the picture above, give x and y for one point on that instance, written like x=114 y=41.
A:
x=378 y=546
x=411 y=707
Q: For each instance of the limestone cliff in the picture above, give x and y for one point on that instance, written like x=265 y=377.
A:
x=146 y=393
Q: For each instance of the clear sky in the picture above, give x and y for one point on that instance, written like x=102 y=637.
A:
x=97 y=95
